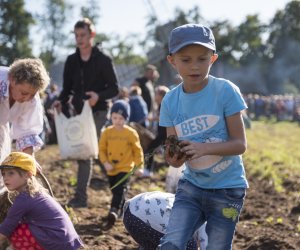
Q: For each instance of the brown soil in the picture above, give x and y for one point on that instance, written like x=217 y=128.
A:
x=269 y=219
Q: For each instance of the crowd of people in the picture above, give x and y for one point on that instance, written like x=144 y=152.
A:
x=278 y=107
x=204 y=112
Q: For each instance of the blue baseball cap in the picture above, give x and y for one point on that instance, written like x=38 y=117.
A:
x=191 y=34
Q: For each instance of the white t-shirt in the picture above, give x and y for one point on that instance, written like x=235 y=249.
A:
x=24 y=120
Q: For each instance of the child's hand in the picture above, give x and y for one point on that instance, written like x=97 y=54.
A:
x=175 y=159
x=108 y=166
x=173 y=153
x=192 y=150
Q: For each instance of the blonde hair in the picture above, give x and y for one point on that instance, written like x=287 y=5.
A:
x=33 y=187
x=31 y=71
x=161 y=90
x=135 y=90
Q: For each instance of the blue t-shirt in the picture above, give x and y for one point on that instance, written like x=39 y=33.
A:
x=200 y=117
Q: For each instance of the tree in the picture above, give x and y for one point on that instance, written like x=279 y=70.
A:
x=284 y=48
x=248 y=40
x=52 y=22
x=122 y=51
x=91 y=11
x=14 y=31
x=225 y=34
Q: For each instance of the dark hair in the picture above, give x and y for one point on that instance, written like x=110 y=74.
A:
x=85 y=22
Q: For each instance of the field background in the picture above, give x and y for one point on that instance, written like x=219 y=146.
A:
x=271 y=215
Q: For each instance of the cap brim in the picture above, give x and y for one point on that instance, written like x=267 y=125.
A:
x=6 y=166
x=190 y=43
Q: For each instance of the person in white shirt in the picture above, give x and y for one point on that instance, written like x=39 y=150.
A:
x=21 y=111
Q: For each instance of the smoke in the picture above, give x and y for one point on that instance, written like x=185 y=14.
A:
x=249 y=79
x=268 y=76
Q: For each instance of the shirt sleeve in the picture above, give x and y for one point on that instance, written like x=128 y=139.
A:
x=14 y=215
x=26 y=127
x=109 y=78
x=164 y=114
x=137 y=150
x=232 y=100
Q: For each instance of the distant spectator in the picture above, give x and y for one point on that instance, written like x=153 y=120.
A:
x=161 y=135
x=146 y=83
x=51 y=97
x=138 y=106
x=123 y=94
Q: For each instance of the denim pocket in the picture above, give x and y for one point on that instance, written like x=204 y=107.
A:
x=235 y=193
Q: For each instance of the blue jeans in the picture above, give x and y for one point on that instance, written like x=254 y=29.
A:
x=193 y=206
x=147 y=237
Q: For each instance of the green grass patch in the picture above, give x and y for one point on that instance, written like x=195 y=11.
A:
x=273 y=151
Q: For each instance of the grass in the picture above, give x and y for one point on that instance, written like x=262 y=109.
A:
x=273 y=151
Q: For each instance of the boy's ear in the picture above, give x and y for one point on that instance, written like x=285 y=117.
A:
x=213 y=58
x=171 y=61
x=93 y=33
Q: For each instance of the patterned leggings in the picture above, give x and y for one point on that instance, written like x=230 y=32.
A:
x=22 y=239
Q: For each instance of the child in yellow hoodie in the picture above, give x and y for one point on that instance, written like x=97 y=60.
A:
x=119 y=151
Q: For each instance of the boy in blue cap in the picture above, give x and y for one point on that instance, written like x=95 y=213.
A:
x=204 y=112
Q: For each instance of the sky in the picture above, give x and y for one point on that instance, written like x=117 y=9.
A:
x=131 y=15
x=127 y=17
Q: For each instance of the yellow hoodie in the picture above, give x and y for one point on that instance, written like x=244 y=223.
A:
x=121 y=148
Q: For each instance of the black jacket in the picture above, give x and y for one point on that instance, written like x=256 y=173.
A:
x=147 y=91
x=97 y=74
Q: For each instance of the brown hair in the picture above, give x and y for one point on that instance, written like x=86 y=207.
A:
x=85 y=22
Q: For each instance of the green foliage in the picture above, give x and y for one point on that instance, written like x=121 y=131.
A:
x=273 y=151
x=66 y=164
x=14 y=31
x=290 y=88
x=51 y=24
x=248 y=40
x=224 y=35
x=72 y=181
x=283 y=47
x=72 y=215
x=91 y=11
x=251 y=52
x=122 y=51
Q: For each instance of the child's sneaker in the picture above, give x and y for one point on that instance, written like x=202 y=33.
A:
x=110 y=220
